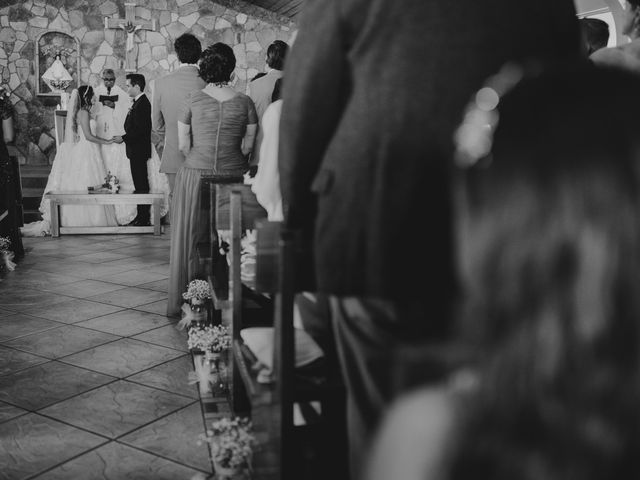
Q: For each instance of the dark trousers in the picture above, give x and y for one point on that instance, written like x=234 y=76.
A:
x=369 y=333
x=141 y=182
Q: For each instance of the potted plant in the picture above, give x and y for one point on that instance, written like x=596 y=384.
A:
x=206 y=344
x=231 y=441
x=196 y=297
x=6 y=255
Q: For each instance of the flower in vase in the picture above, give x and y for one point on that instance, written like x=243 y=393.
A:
x=198 y=292
x=231 y=441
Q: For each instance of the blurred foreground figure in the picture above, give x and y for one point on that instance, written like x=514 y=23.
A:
x=548 y=244
x=374 y=90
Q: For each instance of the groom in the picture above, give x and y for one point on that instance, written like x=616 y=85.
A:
x=137 y=140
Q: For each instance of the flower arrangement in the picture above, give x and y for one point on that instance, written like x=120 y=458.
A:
x=231 y=441
x=5 y=92
x=6 y=256
x=214 y=339
x=111 y=185
x=198 y=291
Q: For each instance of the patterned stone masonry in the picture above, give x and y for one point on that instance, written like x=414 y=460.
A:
x=247 y=28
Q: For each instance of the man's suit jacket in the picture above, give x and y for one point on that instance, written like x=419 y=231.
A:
x=137 y=127
x=374 y=91
x=169 y=93
x=260 y=91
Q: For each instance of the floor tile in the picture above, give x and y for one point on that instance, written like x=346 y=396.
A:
x=115 y=461
x=73 y=310
x=167 y=336
x=18 y=325
x=162 y=268
x=17 y=298
x=33 y=443
x=158 y=286
x=123 y=358
x=12 y=360
x=175 y=436
x=42 y=385
x=172 y=376
x=126 y=322
x=61 y=341
x=84 y=288
x=99 y=257
x=7 y=412
x=27 y=279
x=159 y=307
x=129 y=297
x=101 y=410
x=133 y=278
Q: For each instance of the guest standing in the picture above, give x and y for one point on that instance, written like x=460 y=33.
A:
x=10 y=222
x=373 y=91
x=168 y=94
x=137 y=138
x=261 y=88
x=216 y=131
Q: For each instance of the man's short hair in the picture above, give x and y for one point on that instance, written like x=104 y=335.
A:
x=276 y=54
x=188 y=48
x=595 y=33
x=137 y=79
x=109 y=71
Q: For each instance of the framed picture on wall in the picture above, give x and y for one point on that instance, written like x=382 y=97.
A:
x=56 y=44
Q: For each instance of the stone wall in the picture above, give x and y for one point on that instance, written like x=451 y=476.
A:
x=247 y=28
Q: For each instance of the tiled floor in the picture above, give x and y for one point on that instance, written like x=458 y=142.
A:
x=93 y=376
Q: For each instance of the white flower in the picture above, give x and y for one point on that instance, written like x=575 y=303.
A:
x=197 y=290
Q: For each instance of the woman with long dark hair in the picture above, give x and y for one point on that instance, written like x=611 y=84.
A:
x=77 y=165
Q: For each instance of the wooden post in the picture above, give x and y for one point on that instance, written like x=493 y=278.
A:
x=130 y=25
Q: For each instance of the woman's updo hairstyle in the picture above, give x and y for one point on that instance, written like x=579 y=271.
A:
x=217 y=63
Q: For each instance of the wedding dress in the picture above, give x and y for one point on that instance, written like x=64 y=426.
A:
x=77 y=165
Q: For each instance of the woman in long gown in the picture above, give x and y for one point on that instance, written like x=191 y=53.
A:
x=222 y=124
x=9 y=189
x=77 y=165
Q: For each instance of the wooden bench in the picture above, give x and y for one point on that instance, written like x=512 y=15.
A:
x=271 y=405
x=83 y=198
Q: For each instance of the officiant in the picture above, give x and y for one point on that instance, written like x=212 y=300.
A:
x=112 y=105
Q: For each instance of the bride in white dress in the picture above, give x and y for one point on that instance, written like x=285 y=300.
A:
x=77 y=165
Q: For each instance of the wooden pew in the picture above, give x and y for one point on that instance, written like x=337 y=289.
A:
x=271 y=405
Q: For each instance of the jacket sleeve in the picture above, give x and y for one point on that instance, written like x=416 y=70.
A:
x=315 y=86
x=157 y=120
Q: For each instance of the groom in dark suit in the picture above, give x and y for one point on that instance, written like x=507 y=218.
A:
x=137 y=139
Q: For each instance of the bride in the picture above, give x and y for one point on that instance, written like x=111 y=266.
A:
x=78 y=164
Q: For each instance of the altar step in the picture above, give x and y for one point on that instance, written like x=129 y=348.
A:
x=34 y=180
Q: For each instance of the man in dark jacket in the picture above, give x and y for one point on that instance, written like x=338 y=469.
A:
x=374 y=92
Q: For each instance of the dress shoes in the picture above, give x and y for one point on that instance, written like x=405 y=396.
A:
x=141 y=223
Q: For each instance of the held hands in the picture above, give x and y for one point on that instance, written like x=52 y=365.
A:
x=117 y=139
